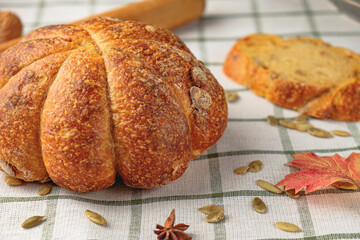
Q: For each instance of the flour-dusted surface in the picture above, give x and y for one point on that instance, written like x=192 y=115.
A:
x=133 y=214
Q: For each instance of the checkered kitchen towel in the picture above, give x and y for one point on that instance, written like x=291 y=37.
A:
x=132 y=214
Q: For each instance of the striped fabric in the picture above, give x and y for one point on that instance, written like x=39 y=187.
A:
x=132 y=214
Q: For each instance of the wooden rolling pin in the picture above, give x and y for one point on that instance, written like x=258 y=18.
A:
x=165 y=13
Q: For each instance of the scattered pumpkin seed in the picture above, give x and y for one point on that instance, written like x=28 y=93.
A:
x=241 y=170
x=32 y=221
x=287 y=124
x=268 y=186
x=318 y=132
x=272 y=120
x=255 y=166
x=214 y=213
x=345 y=185
x=95 y=217
x=7 y=167
x=231 y=96
x=13 y=181
x=258 y=205
x=288 y=227
x=341 y=133
x=291 y=193
x=45 y=189
x=303 y=127
x=301 y=119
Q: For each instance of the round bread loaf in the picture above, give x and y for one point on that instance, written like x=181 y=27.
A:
x=301 y=73
x=82 y=103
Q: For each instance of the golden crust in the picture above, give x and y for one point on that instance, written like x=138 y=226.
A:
x=339 y=101
x=104 y=97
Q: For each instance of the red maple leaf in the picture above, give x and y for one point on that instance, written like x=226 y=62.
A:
x=319 y=172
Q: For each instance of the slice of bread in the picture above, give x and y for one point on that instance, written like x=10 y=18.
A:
x=300 y=73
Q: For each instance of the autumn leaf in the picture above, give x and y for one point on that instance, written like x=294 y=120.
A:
x=319 y=172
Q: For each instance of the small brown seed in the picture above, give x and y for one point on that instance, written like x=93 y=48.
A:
x=241 y=170
x=291 y=193
x=301 y=119
x=258 y=205
x=231 y=96
x=303 y=127
x=268 y=186
x=95 y=217
x=255 y=166
x=272 y=120
x=345 y=185
x=288 y=227
x=32 y=221
x=45 y=189
x=13 y=181
x=341 y=133
x=214 y=213
x=287 y=124
x=318 y=132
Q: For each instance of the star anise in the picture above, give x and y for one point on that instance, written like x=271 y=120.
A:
x=171 y=232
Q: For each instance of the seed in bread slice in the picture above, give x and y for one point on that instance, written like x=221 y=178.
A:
x=300 y=73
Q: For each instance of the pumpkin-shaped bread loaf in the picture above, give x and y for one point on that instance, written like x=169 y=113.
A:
x=80 y=103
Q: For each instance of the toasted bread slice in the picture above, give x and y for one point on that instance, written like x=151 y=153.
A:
x=300 y=73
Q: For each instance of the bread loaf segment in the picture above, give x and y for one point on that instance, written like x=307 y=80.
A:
x=180 y=69
x=300 y=73
x=25 y=53
x=22 y=99
x=151 y=132
x=75 y=129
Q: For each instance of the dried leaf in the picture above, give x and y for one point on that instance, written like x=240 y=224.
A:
x=288 y=227
x=214 y=213
x=319 y=172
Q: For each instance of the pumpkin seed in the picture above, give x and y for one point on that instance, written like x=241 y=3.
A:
x=13 y=181
x=95 y=217
x=291 y=193
x=268 y=186
x=345 y=185
x=301 y=119
x=318 y=132
x=255 y=166
x=288 y=227
x=303 y=127
x=6 y=167
x=341 y=133
x=214 y=213
x=231 y=96
x=45 y=189
x=32 y=221
x=272 y=120
x=258 y=205
x=241 y=170
x=287 y=124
